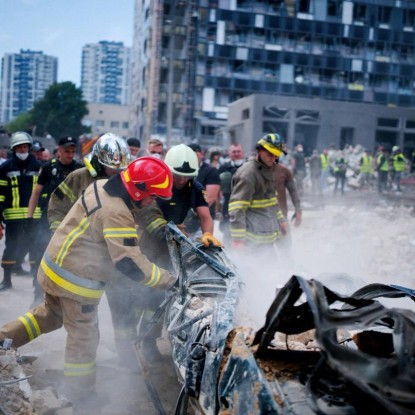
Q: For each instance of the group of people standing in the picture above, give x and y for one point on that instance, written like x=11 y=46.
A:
x=384 y=167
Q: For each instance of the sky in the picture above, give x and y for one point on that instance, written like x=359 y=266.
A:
x=62 y=27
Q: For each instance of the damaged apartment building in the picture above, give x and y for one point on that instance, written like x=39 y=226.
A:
x=319 y=72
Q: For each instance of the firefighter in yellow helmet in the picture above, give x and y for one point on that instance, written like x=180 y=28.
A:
x=96 y=237
x=255 y=216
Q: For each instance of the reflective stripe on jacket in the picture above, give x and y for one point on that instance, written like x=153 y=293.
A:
x=67 y=194
x=17 y=181
x=253 y=208
x=94 y=236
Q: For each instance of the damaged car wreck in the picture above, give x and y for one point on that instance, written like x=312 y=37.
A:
x=319 y=352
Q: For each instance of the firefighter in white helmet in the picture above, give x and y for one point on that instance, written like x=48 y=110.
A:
x=18 y=178
x=96 y=237
x=188 y=194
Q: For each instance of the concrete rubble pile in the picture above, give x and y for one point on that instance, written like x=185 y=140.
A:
x=17 y=393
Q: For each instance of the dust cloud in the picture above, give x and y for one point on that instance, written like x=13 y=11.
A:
x=345 y=245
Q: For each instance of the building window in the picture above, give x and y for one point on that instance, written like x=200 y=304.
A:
x=359 y=12
x=245 y=114
x=333 y=8
x=409 y=18
x=99 y=123
x=388 y=122
x=125 y=125
x=384 y=15
x=114 y=124
x=346 y=137
x=305 y=6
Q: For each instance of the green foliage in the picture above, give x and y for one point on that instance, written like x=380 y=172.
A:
x=60 y=111
x=22 y=122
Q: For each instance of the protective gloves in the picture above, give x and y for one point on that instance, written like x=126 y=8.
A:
x=208 y=239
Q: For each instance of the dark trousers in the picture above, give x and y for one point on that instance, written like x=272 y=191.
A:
x=17 y=244
x=340 y=178
x=382 y=180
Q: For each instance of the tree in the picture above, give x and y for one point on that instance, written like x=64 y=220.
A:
x=60 y=111
x=23 y=122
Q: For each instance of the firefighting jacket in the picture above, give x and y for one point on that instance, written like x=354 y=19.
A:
x=253 y=208
x=67 y=193
x=96 y=236
x=18 y=178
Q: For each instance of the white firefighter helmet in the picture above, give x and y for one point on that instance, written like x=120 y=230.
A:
x=182 y=161
x=20 y=137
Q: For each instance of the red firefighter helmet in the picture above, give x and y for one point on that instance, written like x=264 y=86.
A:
x=147 y=176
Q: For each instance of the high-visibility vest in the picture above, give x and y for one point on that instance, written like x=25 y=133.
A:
x=367 y=164
x=324 y=161
x=382 y=163
x=398 y=162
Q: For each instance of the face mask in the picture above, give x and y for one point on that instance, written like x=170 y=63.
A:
x=156 y=155
x=238 y=163
x=22 y=156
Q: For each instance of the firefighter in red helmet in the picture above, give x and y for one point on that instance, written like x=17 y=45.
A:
x=96 y=237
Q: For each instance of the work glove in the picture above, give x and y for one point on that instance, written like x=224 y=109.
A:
x=208 y=239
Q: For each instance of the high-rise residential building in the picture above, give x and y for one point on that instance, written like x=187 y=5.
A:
x=25 y=77
x=194 y=58
x=106 y=73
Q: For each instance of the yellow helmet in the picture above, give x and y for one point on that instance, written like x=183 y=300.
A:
x=272 y=143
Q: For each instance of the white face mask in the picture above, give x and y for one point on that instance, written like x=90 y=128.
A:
x=156 y=155
x=22 y=156
x=238 y=163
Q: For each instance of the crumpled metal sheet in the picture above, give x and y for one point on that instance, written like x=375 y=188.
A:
x=362 y=360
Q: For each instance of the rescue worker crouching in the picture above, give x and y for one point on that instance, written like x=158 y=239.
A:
x=109 y=156
x=255 y=216
x=188 y=194
x=96 y=237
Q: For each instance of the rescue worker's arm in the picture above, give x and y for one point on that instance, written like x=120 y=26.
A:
x=212 y=193
x=150 y=219
x=292 y=190
x=206 y=224
x=212 y=186
x=34 y=200
x=206 y=221
x=121 y=237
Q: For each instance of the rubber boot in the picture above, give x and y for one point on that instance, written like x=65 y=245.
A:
x=7 y=280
